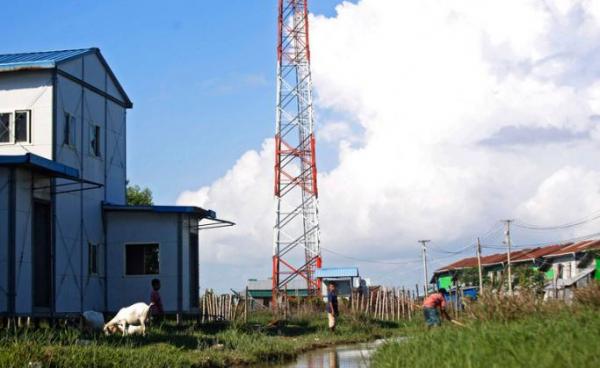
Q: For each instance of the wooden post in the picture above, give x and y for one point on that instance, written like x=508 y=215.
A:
x=410 y=306
x=402 y=303
x=479 y=265
x=203 y=310
x=246 y=306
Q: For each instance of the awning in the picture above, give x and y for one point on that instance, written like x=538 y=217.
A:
x=51 y=169
x=208 y=217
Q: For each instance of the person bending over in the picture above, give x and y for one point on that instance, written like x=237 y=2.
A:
x=434 y=306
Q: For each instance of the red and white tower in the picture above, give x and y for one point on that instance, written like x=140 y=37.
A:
x=296 y=250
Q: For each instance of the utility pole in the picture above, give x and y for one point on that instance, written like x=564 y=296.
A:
x=508 y=245
x=479 y=265
x=424 y=252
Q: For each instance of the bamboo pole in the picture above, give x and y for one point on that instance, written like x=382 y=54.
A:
x=246 y=306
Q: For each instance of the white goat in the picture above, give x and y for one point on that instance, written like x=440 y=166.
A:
x=133 y=315
x=131 y=329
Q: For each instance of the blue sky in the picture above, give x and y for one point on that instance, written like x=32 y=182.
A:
x=433 y=121
x=200 y=73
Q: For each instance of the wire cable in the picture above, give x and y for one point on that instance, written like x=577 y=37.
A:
x=578 y=222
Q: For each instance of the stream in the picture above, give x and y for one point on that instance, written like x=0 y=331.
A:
x=340 y=356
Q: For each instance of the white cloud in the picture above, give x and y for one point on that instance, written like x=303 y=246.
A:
x=428 y=81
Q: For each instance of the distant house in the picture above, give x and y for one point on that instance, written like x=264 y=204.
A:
x=345 y=279
x=571 y=267
x=262 y=290
x=68 y=240
x=573 y=263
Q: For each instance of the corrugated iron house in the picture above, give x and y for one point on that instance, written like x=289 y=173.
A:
x=262 y=290
x=345 y=279
x=68 y=242
x=564 y=265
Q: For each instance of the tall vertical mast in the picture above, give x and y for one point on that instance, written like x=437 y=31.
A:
x=296 y=250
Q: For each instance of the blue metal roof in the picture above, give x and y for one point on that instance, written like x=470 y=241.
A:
x=40 y=60
x=50 y=59
x=160 y=209
x=40 y=164
x=324 y=273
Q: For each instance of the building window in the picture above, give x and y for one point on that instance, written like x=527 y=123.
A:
x=5 y=127
x=95 y=140
x=69 y=130
x=22 y=126
x=141 y=259
x=92 y=259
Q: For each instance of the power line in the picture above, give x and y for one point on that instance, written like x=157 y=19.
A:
x=410 y=261
x=495 y=229
x=578 y=222
x=564 y=241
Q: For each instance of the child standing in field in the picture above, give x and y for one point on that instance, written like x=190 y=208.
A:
x=156 y=309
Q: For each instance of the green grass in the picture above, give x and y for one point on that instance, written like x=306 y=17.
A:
x=568 y=339
x=212 y=345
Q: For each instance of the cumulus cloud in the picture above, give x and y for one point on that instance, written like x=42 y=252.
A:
x=468 y=112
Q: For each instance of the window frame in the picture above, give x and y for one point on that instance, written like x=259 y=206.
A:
x=11 y=119
x=94 y=246
x=95 y=151
x=69 y=132
x=28 y=126
x=125 y=274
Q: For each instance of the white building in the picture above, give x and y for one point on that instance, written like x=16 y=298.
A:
x=68 y=241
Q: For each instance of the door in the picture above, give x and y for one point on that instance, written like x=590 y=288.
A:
x=194 y=272
x=42 y=261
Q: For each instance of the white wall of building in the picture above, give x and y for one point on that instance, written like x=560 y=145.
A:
x=4 y=190
x=147 y=227
x=29 y=91
x=80 y=213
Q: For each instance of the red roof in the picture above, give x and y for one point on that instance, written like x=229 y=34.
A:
x=575 y=248
x=536 y=253
x=523 y=255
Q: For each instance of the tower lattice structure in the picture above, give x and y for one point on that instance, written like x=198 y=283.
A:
x=296 y=248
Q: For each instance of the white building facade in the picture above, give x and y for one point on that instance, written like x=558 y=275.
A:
x=63 y=193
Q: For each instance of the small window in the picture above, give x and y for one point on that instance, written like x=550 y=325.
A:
x=95 y=140
x=92 y=259
x=69 y=130
x=141 y=259
x=5 y=127
x=22 y=126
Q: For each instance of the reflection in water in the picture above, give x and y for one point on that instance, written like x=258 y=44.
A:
x=343 y=356
x=333 y=360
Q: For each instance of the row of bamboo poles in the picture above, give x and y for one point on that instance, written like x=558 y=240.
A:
x=391 y=304
x=225 y=307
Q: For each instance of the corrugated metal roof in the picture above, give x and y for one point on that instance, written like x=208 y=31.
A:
x=537 y=253
x=50 y=59
x=42 y=60
x=159 y=209
x=523 y=255
x=581 y=246
x=295 y=284
x=38 y=163
x=336 y=272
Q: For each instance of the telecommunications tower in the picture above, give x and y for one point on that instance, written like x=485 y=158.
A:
x=296 y=250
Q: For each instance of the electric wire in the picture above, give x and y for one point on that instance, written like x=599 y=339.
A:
x=578 y=222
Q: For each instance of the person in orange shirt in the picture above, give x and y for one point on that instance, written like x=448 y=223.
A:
x=434 y=306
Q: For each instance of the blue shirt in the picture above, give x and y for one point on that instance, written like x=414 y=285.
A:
x=332 y=300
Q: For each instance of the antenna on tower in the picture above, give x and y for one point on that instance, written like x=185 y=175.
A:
x=297 y=216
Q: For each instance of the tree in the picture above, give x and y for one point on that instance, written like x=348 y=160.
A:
x=137 y=196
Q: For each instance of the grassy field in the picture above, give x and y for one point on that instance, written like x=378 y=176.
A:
x=214 y=345
x=506 y=332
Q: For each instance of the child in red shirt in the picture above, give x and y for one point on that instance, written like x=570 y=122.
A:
x=156 y=309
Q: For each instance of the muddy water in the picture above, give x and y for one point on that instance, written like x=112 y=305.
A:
x=342 y=356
